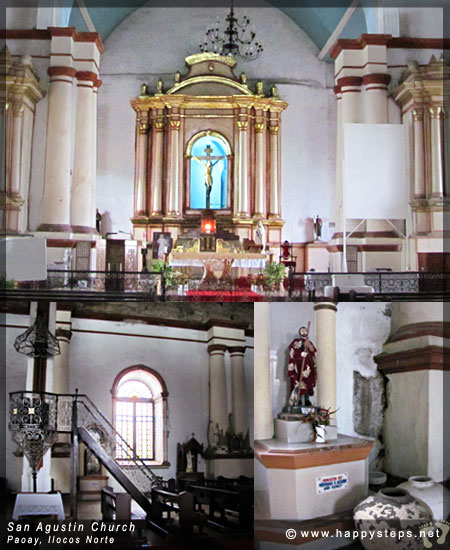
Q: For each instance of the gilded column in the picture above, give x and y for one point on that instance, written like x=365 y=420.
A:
x=260 y=167
x=437 y=173
x=243 y=209
x=238 y=390
x=419 y=154
x=263 y=422
x=55 y=206
x=376 y=98
x=156 y=181
x=82 y=208
x=274 y=170
x=141 y=164
x=174 y=199
x=218 y=403
x=325 y=317
x=447 y=151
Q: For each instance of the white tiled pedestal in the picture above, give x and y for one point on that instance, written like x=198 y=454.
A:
x=287 y=477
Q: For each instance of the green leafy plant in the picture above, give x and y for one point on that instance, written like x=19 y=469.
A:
x=274 y=275
x=4 y=283
x=160 y=266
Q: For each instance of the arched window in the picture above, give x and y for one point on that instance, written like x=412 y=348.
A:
x=139 y=409
x=208 y=154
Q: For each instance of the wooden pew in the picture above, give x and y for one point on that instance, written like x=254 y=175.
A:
x=171 y=501
x=236 y=502
x=115 y=506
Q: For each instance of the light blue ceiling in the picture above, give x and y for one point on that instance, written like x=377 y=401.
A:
x=317 y=22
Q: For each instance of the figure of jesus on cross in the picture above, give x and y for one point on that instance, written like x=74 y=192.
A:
x=208 y=164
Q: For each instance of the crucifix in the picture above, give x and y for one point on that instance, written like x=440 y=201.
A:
x=208 y=164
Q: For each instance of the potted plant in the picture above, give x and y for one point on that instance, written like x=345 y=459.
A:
x=163 y=268
x=320 y=420
x=274 y=275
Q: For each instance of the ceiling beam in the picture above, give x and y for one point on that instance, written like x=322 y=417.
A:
x=338 y=30
x=85 y=15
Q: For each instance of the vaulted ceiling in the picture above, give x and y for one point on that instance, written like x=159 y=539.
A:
x=317 y=22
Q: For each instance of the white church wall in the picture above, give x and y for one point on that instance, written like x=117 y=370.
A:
x=145 y=46
x=361 y=330
x=100 y=350
x=421 y=22
x=21 y=18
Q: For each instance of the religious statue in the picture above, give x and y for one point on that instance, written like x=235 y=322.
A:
x=208 y=165
x=163 y=246
x=260 y=234
x=302 y=369
x=98 y=221
x=285 y=251
x=317 y=228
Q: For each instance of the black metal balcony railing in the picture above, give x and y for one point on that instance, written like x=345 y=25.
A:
x=161 y=286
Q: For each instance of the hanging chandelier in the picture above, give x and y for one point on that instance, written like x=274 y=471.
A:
x=232 y=38
x=37 y=341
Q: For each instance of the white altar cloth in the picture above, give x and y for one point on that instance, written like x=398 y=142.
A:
x=38 y=504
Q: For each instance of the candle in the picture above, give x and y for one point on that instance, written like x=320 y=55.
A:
x=144 y=240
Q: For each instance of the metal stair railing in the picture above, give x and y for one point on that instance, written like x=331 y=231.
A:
x=133 y=467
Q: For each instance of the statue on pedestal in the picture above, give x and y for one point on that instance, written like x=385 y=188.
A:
x=302 y=371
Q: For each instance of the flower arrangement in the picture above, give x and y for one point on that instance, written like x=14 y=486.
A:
x=274 y=275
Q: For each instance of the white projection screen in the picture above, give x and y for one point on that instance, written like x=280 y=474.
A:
x=375 y=180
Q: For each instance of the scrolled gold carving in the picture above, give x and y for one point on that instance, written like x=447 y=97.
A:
x=209 y=56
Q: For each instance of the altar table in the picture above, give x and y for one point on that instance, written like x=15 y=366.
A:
x=38 y=504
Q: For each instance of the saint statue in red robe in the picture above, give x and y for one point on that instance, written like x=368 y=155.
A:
x=302 y=369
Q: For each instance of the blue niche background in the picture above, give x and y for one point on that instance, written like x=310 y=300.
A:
x=218 y=197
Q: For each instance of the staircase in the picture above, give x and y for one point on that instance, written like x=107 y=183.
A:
x=100 y=436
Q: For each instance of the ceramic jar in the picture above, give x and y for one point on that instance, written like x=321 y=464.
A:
x=434 y=494
x=384 y=519
x=321 y=433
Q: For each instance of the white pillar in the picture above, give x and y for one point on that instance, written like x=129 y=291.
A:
x=239 y=403
x=325 y=319
x=419 y=154
x=260 y=169
x=174 y=199
x=16 y=148
x=243 y=207
x=376 y=98
x=218 y=402
x=63 y=333
x=155 y=208
x=263 y=421
x=55 y=206
x=82 y=208
x=437 y=173
x=140 y=185
x=97 y=85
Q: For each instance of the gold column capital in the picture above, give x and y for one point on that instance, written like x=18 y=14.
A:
x=436 y=111
x=274 y=130
x=174 y=124
x=17 y=109
x=143 y=122
x=260 y=127
x=417 y=113
x=242 y=125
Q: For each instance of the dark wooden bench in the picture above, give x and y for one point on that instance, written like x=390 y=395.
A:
x=181 y=503
x=236 y=502
x=115 y=506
